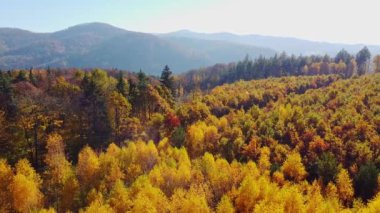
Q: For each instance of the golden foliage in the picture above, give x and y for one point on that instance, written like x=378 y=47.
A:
x=246 y=149
x=293 y=168
x=6 y=176
x=190 y=201
x=225 y=205
x=264 y=161
x=25 y=188
x=147 y=198
x=344 y=185
x=119 y=198
x=88 y=167
x=59 y=168
x=98 y=207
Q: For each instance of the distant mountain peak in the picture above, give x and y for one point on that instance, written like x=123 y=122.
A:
x=183 y=31
x=102 y=45
x=93 y=27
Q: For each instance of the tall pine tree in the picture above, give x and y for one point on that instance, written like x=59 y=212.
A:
x=167 y=79
x=121 y=84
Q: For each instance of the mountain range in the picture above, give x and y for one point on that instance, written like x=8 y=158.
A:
x=279 y=44
x=105 y=46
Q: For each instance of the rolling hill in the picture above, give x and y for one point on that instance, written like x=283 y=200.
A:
x=106 y=46
x=102 y=45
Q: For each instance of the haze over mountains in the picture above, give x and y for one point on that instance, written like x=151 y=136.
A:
x=279 y=44
x=106 y=46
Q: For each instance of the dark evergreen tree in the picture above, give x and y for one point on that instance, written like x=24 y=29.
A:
x=86 y=85
x=6 y=95
x=143 y=80
x=132 y=91
x=5 y=83
x=32 y=77
x=167 y=79
x=366 y=181
x=362 y=59
x=20 y=77
x=344 y=56
x=141 y=100
x=121 y=85
x=178 y=137
x=97 y=130
x=327 y=167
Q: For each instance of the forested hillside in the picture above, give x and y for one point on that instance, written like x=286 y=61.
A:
x=344 y=64
x=288 y=44
x=100 y=141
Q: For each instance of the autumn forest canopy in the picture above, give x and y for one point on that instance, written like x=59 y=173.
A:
x=283 y=133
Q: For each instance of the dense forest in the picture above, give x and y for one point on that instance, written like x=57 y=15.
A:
x=306 y=139
x=344 y=64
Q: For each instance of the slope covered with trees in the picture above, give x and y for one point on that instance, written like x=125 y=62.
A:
x=280 y=44
x=344 y=64
x=101 y=141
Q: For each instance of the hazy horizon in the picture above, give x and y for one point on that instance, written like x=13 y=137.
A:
x=324 y=21
x=194 y=31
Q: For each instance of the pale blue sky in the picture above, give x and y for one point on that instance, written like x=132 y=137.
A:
x=320 y=20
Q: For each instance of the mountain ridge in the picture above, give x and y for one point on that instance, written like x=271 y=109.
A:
x=105 y=46
x=291 y=45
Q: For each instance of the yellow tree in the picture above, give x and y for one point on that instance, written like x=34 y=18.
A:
x=110 y=170
x=293 y=168
x=59 y=170
x=225 y=205
x=278 y=177
x=314 y=197
x=173 y=172
x=195 y=139
x=119 y=198
x=191 y=201
x=211 y=138
x=97 y=204
x=50 y=210
x=264 y=162
x=68 y=194
x=87 y=168
x=147 y=198
x=293 y=200
x=344 y=186
x=97 y=207
x=247 y=195
x=25 y=188
x=201 y=138
x=146 y=156
x=128 y=162
x=331 y=191
x=6 y=176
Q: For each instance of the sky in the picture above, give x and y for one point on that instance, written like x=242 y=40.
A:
x=343 y=21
